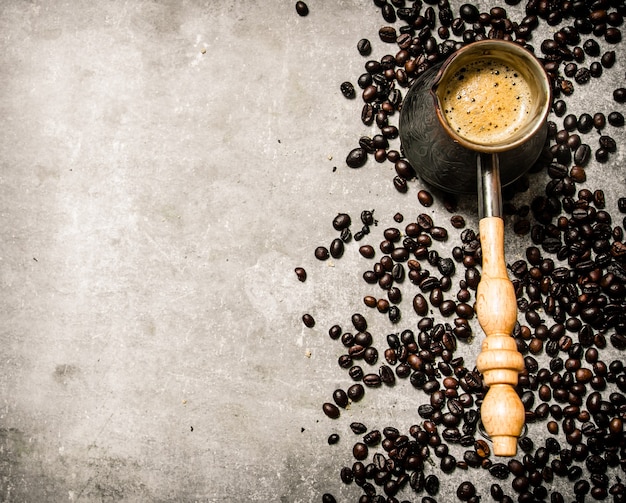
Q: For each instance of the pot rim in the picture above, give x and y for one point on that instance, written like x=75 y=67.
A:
x=484 y=47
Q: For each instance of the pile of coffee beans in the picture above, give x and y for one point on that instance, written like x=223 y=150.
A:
x=570 y=285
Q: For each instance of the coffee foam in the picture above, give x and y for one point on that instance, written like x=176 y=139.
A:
x=486 y=101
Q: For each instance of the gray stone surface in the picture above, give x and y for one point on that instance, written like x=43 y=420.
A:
x=165 y=166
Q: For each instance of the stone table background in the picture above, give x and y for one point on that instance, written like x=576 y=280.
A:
x=165 y=166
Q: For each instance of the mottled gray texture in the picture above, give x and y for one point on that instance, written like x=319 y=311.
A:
x=165 y=166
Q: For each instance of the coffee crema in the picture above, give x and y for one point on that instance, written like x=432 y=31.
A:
x=487 y=101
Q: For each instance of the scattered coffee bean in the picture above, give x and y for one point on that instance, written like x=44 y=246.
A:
x=331 y=410
x=302 y=9
x=308 y=320
x=336 y=248
x=356 y=158
x=425 y=198
x=457 y=221
x=360 y=451
x=387 y=34
x=322 y=253
x=364 y=47
x=466 y=491
x=356 y=392
x=300 y=274
x=616 y=119
x=347 y=89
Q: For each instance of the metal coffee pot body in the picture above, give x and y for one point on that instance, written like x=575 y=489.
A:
x=438 y=158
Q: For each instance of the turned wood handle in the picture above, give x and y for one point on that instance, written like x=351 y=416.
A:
x=502 y=411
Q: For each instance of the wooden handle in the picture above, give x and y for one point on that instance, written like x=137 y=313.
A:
x=502 y=411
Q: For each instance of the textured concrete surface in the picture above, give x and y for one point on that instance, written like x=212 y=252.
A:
x=165 y=166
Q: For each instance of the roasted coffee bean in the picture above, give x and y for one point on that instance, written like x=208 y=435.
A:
x=448 y=463
x=334 y=332
x=308 y=320
x=559 y=107
x=394 y=314
x=340 y=397
x=431 y=484
x=582 y=154
x=585 y=123
x=364 y=47
x=570 y=69
x=420 y=305
x=570 y=122
x=367 y=117
x=469 y=13
x=356 y=158
x=372 y=380
x=499 y=471
x=602 y=155
x=321 y=253
x=595 y=69
x=365 y=80
x=619 y=94
x=596 y=464
x=370 y=355
x=466 y=491
x=439 y=233
x=300 y=274
x=613 y=35
x=372 y=438
x=302 y=9
x=615 y=119
x=358 y=428
x=607 y=143
x=346 y=475
x=387 y=34
x=356 y=392
x=457 y=221
x=359 y=322
x=608 y=59
x=360 y=451
x=425 y=198
x=347 y=89
x=345 y=235
x=336 y=248
x=591 y=47
x=367 y=251
x=331 y=410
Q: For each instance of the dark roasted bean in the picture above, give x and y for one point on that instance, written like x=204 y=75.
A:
x=308 y=320
x=321 y=253
x=615 y=119
x=356 y=158
x=300 y=274
x=331 y=410
x=613 y=35
x=302 y=9
x=336 y=248
x=585 y=123
x=425 y=198
x=372 y=380
x=387 y=34
x=347 y=89
x=608 y=59
x=364 y=47
x=360 y=451
x=367 y=251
